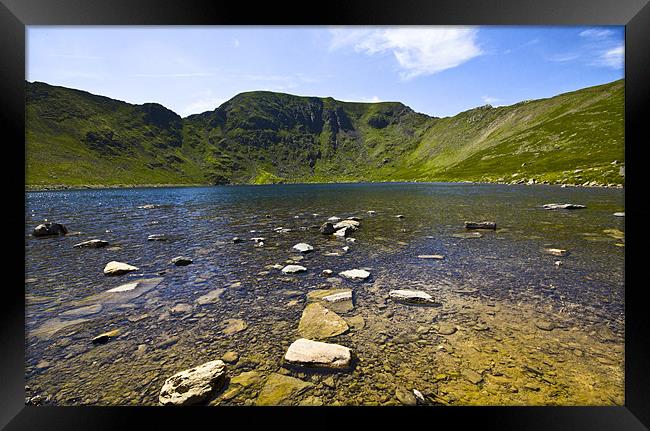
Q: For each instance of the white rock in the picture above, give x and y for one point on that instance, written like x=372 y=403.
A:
x=327 y=272
x=347 y=223
x=338 y=297
x=341 y=233
x=418 y=395
x=411 y=296
x=194 y=385
x=290 y=269
x=303 y=247
x=317 y=354
x=118 y=268
x=351 y=240
x=563 y=206
x=622 y=214
x=555 y=251
x=431 y=256
x=372 y=212
x=334 y=219
x=258 y=239
x=355 y=274
x=346 y=248
x=125 y=287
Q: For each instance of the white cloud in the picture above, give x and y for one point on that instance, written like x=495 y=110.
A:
x=561 y=58
x=490 y=100
x=419 y=51
x=614 y=58
x=596 y=33
x=201 y=105
x=373 y=99
x=172 y=75
x=235 y=43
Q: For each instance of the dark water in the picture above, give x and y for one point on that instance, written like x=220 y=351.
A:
x=506 y=265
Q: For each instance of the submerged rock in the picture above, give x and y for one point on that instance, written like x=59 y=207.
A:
x=49 y=229
x=181 y=261
x=317 y=322
x=210 y=297
x=303 y=247
x=467 y=235
x=83 y=311
x=237 y=240
x=234 y=326
x=334 y=219
x=157 y=237
x=317 y=354
x=124 y=287
x=327 y=228
x=411 y=296
x=118 y=268
x=93 y=243
x=480 y=225
x=291 y=269
x=279 y=390
x=405 y=396
x=563 y=206
x=545 y=325
x=555 y=251
x=194 y=385
x=230 y=357
x=355 y=274
x=445 y=328
x=103 y=338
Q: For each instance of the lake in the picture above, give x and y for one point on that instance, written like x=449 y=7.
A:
x=512 y=324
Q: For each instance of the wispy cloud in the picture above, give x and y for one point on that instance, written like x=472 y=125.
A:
x=490 y=100
x=563 y=57
x=235 y=43
x=596 y=33
x=614 y=58
x=201 y=105
x=418 y=51
x=171 y=75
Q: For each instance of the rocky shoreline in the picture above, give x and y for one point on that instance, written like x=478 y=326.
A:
x=57 y=187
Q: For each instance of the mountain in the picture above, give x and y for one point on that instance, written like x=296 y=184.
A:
x=77 y=138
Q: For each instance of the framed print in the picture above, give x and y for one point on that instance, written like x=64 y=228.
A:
x=415 y=210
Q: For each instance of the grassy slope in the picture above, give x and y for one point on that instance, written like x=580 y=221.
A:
x=76 y=138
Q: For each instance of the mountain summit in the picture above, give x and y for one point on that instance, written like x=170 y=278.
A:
x=77 y=138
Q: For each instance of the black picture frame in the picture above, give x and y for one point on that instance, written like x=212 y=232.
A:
x=16 y=14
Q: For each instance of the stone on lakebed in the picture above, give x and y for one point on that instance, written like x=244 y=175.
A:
x=317 y=354
x=194 y=385
x=411 y=296
x=118 y=268
x=355 y=274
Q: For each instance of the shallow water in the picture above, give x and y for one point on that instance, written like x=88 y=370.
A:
x=494 y=289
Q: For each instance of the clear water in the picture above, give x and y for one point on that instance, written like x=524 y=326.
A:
x=506 y=268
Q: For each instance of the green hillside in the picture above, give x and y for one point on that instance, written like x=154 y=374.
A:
x=76 y=138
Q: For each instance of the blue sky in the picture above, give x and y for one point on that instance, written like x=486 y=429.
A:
x=435 y=70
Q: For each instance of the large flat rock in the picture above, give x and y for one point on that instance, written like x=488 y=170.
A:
x=317 y=322
x=411 y=296
x=281 y=390
x=194 y=385
x=311 y=353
